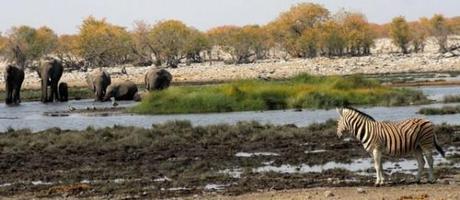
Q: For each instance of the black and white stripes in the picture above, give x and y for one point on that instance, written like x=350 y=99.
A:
x=393 y=138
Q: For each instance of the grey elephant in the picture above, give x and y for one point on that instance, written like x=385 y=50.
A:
x=63 y=92
x=157 y=79
x=14 y=76
x=98 y=80
x=50 y=72
x=124 y=90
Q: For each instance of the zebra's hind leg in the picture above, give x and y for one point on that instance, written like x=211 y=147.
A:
x=421 y=164
x=429 y=160
x=377 y=155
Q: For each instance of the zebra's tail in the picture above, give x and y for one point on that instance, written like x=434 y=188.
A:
x=438 y=148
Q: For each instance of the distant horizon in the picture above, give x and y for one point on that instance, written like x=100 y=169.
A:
x=64 y=17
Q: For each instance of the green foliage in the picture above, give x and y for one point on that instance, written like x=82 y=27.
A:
x=400 y=33
x=304 y=91
x=445 y=110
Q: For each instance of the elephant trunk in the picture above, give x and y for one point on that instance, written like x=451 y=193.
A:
x=44 y=77
x=99 y=93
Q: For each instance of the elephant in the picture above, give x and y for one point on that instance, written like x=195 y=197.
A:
x=14 y=76
x=50 y=72
x=124 y=90
x=98 y=80
x=157 y=79
x=63 y=92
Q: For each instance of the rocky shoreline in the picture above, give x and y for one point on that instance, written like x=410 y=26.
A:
x=382 y=61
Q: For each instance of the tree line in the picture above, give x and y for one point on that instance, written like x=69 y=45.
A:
x=306 y=30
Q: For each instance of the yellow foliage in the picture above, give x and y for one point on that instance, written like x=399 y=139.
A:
x=400 y=33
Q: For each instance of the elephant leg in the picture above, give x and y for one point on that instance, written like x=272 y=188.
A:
x=44 y=91
x=54 y=91
x=8 y=94
x=19 y=93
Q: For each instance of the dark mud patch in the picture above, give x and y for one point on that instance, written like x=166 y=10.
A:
x=176 y=159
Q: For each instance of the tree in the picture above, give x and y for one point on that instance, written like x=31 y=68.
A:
x=440 y=30
x=67 y=49
x=420 y=31
x=308 y=43
x=168 y=39
x=3 y=44
x=103 y=44
x=142 y=44
x=400 y=33
x=244 y=44
x=25 y=44
x=290 y=25
x=196 y=43
x=332 y=40
x=454 y=24
x=220 y=37
x=358 y=34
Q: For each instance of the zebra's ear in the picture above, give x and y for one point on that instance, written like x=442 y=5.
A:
x=340 y=111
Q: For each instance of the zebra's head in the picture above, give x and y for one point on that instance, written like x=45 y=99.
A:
x=342 y=127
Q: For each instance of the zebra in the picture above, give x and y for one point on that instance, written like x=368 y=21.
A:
x=414 y=136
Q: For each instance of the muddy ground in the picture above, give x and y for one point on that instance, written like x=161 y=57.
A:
x=178 y=160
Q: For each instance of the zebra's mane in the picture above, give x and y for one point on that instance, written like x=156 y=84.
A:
x=360 y=112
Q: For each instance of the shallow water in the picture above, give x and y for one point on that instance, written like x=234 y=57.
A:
x=360 y=166
x=35 y=115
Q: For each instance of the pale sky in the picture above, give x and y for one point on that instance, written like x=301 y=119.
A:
x=64 y=16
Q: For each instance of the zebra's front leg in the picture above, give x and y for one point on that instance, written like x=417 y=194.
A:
x=429 y=160
x=377 y=155
x=421 y=164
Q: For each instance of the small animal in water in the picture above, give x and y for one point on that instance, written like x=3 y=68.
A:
x=411 y=136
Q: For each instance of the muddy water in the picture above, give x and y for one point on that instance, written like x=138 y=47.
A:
x=362 y=166
x=37 y=116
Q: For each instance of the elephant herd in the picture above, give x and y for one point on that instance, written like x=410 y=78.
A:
x=99 y=81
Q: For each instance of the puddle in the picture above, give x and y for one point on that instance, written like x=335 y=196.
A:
x=234 y=173
x=41 y=183
x=216 y=186
x=360 y=166
x=316 y=151
x=163 y=179
x=5 y=185
x=248 y=155
x=175 y=189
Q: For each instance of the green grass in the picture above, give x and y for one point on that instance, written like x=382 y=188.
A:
x=303 y=91
x=445 y=110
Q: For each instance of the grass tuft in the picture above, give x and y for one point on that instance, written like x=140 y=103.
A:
x=303 y=91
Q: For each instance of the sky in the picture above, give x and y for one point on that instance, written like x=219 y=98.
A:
x=64 y=16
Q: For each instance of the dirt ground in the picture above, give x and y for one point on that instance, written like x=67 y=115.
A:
x=176 y=160
x=410 y=192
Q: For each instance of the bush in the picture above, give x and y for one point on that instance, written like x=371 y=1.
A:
x=400 y=33
x=303 y=91
x=446 y=110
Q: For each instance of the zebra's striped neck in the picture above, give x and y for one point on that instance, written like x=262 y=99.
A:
x=362 y=128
